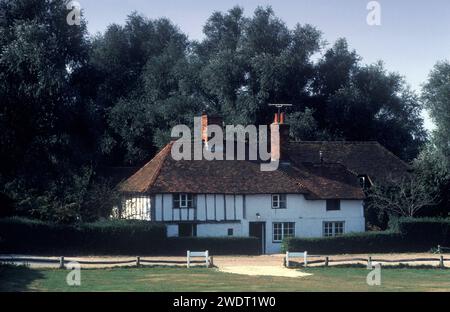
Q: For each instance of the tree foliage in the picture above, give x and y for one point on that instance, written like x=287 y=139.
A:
x=71 y=103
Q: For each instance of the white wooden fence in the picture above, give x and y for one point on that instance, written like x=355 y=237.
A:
x=303 y=255
x=198 y=254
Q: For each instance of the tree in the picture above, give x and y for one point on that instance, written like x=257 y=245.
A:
x=436 y=96
x=433 y=163
x=43 y=138
x=405 y=197
x=379 y=106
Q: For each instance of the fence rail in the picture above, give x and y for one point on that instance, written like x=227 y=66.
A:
x=62 y=261
x=327 y=260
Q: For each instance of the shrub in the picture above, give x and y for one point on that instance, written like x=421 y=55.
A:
x=215 y=245
x=18 y=235
x=107 y=237
x=369 y=242
x=431 y=231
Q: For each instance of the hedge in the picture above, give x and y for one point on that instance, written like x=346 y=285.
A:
x=413 y=235
x=436 y=231
x=368 y=242
x=18 y=235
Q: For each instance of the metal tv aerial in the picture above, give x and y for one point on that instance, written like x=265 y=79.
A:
x=280 y=106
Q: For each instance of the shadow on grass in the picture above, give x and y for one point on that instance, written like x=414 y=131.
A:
x=17 y=278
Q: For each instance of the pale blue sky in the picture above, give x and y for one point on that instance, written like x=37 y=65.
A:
x=413 y=36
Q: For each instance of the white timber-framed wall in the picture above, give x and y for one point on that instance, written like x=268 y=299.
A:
x=218 y=215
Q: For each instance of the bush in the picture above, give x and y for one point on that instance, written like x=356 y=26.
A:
x=108 y=237
x=121 y=237
x=431 y=231
x=407 y=235
x=215 y=245
x=369 y=242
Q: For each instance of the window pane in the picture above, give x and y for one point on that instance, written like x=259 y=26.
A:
x=289 y=229
x=282 y=201
x=327 y=229
x=339 y=228
x=275 y=201
x=277 y=231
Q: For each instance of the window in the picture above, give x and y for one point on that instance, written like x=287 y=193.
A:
x=183 y=201
x=230 y=232
x=279 y=201
x=333 y=228
x=333 y=204
x=281 y=230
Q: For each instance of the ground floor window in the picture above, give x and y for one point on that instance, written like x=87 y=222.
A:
x=281 y=230
x=335 y=228
x=187 y=230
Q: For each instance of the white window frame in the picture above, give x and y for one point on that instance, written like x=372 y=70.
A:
x=277 y=199
x=329 y=228
x=184 y=201
x=285 y=226
x=183 y=198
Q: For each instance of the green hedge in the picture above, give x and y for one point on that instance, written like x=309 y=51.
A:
x=435 y=231
x=122 y=237
x=215 y=245
x=414 y=235
x=369 y=242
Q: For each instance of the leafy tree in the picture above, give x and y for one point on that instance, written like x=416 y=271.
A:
x=436 y=95
x=433 y=164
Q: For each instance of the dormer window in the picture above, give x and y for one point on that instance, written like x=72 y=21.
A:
x=279 y=201
x=183 y=200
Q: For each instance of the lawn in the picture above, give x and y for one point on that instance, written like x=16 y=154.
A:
x=200 y=279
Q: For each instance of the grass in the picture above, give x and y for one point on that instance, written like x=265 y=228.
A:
x=161 y=279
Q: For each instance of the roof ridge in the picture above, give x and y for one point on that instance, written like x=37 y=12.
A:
x=395 y=156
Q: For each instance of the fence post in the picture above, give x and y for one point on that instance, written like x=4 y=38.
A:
x=369 y=262
x=305 y=258
x=287 y=259
x=439 y=249
x=138 y=261
x=326 y=261
x=441 y=262
x=188 y=256
x=207 y=258
x=61 y=262
x=211 y=261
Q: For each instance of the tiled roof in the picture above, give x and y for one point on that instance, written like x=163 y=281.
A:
x=362 y=158
x=336 y=177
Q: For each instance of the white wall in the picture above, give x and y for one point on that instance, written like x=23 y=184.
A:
x=219 y=230
x=209 y=208
x=308 y=215
x=136 y=208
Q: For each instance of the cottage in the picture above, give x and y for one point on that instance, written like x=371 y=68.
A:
x=316 y=191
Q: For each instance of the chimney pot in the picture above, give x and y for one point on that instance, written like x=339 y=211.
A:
x=279 y=148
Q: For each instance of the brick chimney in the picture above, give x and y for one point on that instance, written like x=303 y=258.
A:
x=207 y=121
x=278 y=147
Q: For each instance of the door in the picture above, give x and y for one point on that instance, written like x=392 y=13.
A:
x=257 y=229
x=187 y=230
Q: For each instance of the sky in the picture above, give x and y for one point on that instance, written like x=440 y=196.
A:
x=412 y=37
